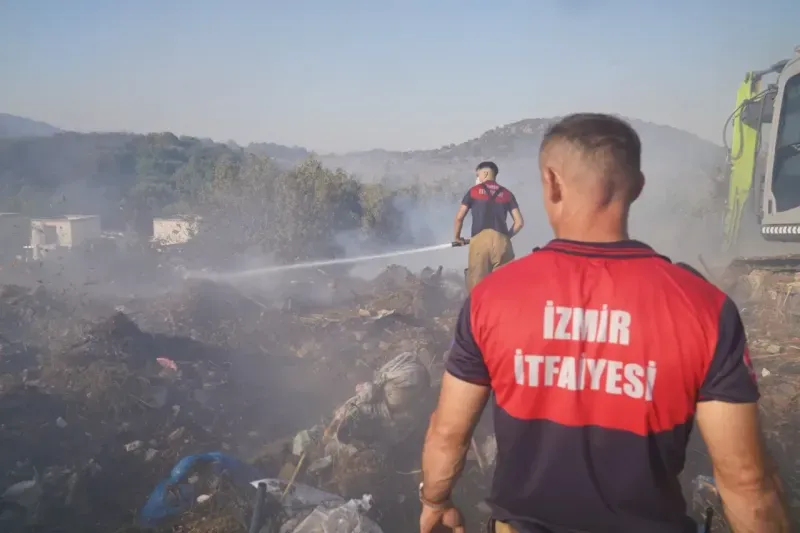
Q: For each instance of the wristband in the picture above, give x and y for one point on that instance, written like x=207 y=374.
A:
x=438 y=506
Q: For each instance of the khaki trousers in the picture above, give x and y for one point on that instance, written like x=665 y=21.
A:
x=488 y=250
x=500 y=527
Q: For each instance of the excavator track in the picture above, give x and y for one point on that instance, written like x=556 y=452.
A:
x=729 y=278
x=782 y=263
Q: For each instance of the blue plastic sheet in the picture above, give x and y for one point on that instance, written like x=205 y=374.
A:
x=174 y=495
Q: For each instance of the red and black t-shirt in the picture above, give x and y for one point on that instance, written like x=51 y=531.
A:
x=490 y=204
x=597 y=355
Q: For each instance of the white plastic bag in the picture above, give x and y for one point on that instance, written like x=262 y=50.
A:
x=402 y=380
x=300 y=496
x=345 y=518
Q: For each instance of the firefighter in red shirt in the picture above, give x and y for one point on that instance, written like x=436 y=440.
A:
x=601 y=354
x=491 y=204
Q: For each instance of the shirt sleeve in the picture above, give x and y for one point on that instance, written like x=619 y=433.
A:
x=467 y=200
x=512 y=202
x=730 y=376
x=465 y=360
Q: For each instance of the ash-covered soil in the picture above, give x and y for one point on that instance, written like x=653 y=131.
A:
x=102 y=392
x=89 y=405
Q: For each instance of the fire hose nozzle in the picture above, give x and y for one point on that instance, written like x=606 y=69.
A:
x=456 y=244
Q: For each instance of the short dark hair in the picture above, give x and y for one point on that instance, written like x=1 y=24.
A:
x=608 y=139
x=488 y=164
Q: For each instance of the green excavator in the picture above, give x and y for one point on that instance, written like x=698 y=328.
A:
x=763 y=204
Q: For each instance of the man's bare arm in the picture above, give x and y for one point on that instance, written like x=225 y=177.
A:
x=458 y=225
x=746 y=477
x=519 y=222
x=449 y=433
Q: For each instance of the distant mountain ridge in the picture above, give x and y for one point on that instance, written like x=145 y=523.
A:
x=515 y=148
x=14 y=126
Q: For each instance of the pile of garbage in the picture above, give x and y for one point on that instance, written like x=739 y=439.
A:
x=102 y=399
x=210 y=406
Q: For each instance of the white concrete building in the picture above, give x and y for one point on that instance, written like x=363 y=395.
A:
x=175 y=230
x=63 y=232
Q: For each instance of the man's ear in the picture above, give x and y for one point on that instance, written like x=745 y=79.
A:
x=638 y=186
x=552 y=185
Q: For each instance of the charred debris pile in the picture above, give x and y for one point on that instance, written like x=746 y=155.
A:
x=101 y=398
x=98 y=401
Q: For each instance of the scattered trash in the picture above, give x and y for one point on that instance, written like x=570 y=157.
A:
x=24 y=496
x=489 y=450
x=345 y=518
x=310 y=510
x=388 y=407
x=167 y=363
x=177 y=434
x=133 y=446
x=304 y=439
x=174 y=494
x=241 y=365
x=320 y=464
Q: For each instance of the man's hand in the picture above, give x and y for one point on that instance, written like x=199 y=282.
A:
x=461 y=241
x=458 y=224
x=519 y=222
x=450 y=518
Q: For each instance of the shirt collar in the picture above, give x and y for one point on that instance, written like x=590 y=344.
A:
x=617 y=249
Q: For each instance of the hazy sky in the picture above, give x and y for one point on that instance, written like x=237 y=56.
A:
x=336 y=75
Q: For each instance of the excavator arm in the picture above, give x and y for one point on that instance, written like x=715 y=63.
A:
x=743 y=152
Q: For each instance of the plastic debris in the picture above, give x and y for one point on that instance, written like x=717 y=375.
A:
x=345 y=518
x=304 y=439
x=167 y=363
x=133 y=446
x=704 y=492
x=320 y=464
x=300 y=496
x=26 y=493
x=174 y=494
x=310 y=510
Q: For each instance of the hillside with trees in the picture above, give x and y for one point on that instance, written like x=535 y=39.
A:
x=292 y=203
x=250 y=200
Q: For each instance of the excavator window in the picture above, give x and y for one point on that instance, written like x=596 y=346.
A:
x=786 y=169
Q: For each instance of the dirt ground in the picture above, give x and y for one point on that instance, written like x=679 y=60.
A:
x=87 y=409
x=86 y=405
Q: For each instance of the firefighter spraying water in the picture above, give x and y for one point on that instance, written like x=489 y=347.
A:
x=490 y=203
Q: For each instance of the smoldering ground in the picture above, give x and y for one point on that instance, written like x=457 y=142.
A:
x=257 y=360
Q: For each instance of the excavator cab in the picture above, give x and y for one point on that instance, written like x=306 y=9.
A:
x=781 y=199
x=764 y=173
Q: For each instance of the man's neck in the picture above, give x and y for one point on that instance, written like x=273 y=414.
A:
x=595 y=232
x=588 y=237
x=593 y=225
